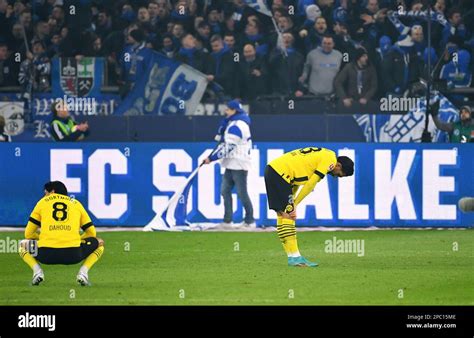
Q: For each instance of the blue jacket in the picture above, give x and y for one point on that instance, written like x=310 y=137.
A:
x=458 y=73
x=135 y=60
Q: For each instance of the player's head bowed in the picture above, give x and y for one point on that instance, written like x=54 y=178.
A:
x=56 y=187
x=344 y=167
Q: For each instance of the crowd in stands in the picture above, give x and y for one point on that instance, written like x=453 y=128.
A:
x=355 y=50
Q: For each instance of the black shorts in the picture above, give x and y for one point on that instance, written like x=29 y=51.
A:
x=279 y=191
x=67 y=256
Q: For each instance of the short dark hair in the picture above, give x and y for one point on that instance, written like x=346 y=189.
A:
x=105 y=11
x=281 y=11
x=57 y=186
x=216 y=37
x=38 y=42
x=347 y=165
x=203 y=24
x=286 y=17
x=453 y=11
x=328 y=36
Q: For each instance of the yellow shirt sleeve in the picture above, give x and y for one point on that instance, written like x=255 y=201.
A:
x=31 y=231
x=85 y=218
x=35 y=216
x=34 y=222
x=307 y=188
x=86 y=223
x=89 y=232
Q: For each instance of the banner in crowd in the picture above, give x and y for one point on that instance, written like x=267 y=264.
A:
x=166 y=88
x=77 y=77
x=12 y=109
x=407 y=127
x=130 y=184
x=260 y=6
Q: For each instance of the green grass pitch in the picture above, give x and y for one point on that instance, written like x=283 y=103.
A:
x=205 y=268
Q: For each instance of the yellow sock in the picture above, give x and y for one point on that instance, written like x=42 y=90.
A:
x=286 y=230
x=283 y=240
x=292 y=244
x=28 y=259
x=93 y=257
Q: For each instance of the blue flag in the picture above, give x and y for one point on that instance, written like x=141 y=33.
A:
x=166 y=88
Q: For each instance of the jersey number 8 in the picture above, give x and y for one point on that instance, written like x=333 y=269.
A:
x=60 y=211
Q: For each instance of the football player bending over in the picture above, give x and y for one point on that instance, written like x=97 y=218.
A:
x=284 y=176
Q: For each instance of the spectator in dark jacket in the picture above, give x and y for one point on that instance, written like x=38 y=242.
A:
x=254 y=35
x=231 y=41
x=252 y=74
x=204 y=34
x=104 y=24
x=8 y=68
x=385 y=44
x=222 y=67
x=214 y=18
x=400 y=67
x=168 y=47
x=344 y=43
x=285 y=25
x=313 y=37
x=135 y=59
x=357 y=81
x=286 y=66
x=189 y=54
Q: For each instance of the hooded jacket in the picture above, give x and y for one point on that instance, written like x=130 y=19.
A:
x=236 y=142
x=457 y=71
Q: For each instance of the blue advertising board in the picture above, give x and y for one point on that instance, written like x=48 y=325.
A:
x=129 y=184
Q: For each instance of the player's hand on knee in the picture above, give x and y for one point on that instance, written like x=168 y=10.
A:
x=290 y=215
x=24 y=244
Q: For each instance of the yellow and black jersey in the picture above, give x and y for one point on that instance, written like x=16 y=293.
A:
x=296 y=167
x=60 y=219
